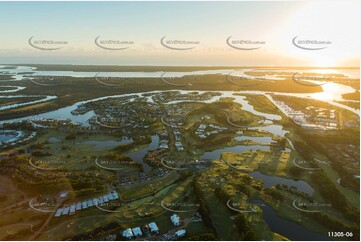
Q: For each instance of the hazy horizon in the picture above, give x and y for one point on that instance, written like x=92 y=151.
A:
x=210 y=26
x=140 y=65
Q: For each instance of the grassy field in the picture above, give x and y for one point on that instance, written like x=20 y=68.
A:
x=148 y=188
x=273 y=162
x=352 y=96
x=262 y=104
x=132 y=214
x=11 y=101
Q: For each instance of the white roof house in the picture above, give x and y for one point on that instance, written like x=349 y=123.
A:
x=110 y=196
x=84 y=204
x=78 y=206
x=181 y=233
x=58 y=212
x=128 y=233
x=175 y=219
x=137 y=232
x=63 y=194
x=66 y=211
x=90 y=203
x=153 y=227
x=72 y=209
x=115 y=195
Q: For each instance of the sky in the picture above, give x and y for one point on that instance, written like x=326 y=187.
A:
x=205 y=25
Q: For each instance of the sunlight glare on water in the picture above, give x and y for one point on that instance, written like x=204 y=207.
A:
x=332 y=91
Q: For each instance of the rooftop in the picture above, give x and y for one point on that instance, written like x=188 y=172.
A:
x=153 y=227
x=137 y=231
x=175 y=219
x=128 y=233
